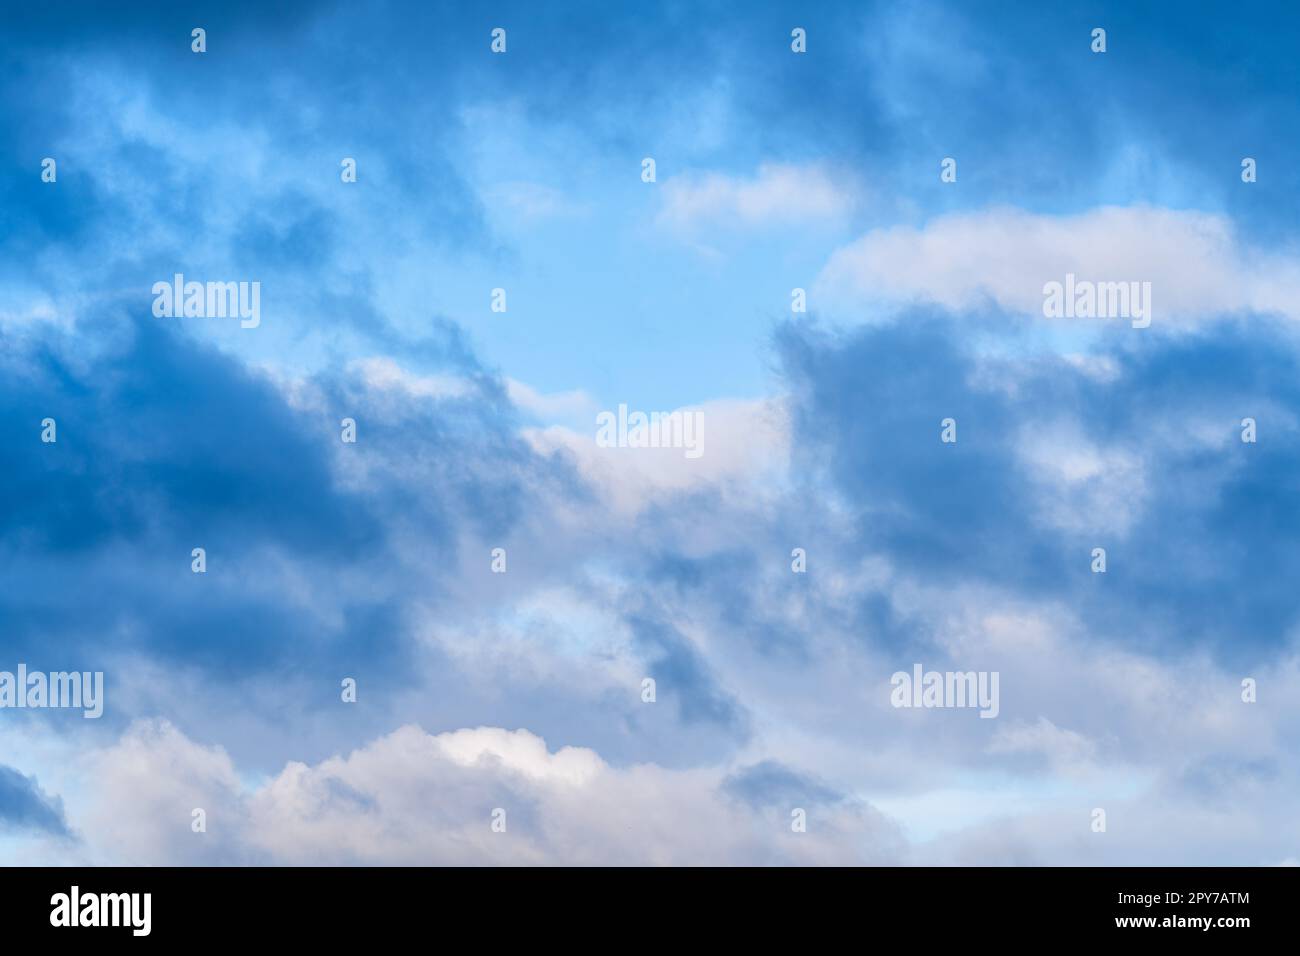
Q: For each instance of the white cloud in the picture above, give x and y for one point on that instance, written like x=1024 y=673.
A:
x=415 y=798
x=1082 y=486
x=551 y=406
x=1063 y=749
x=775 y=194
x=532 y=201
x=1196 y=264
x=384 y=374
x=743 y=441
x=147 y=787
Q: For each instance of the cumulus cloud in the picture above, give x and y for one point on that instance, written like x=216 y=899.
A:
x=415 y=798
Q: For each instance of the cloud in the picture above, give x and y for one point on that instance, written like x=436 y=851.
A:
x=413 y=798
x=384 y=373
x=1052 y=461
x=532 y=201
x=146 y=788
x=25 y=806
x=1080 y=486
x=1061 y=748
x=313 y=546
x=548 y=407
x=744 y=446
x=775 y=194
x=1197 y=265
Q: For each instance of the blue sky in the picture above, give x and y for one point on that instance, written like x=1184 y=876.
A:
x=476 y=430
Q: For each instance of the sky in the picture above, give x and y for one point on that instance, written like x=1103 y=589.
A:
x=443 y=616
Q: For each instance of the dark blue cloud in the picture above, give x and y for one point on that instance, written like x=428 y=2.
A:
x=1207 y=560
x=24 y=806
x=683 y=679
x=771 y=784
x=165 y=445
